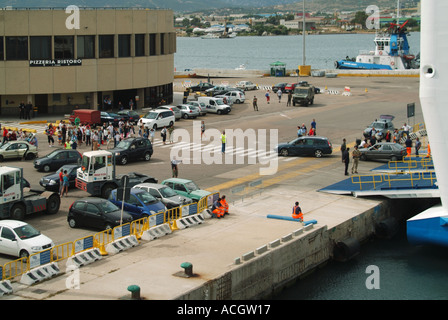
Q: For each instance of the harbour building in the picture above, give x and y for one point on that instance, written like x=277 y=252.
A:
x=61 y=59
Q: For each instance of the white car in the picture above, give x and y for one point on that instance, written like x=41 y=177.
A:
x=19 y=239
x=235 y=96
x=246 y=85
x=158 y=118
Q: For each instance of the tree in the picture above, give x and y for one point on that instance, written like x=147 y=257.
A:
x=360 y=18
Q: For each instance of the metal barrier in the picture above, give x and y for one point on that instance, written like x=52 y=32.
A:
x=376 y=179
x=100 y=240
x=373 y=176
x=402 y=165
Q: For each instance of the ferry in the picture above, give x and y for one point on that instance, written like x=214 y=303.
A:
x=391 y=53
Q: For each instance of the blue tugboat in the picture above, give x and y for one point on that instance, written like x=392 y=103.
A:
x=391 y=53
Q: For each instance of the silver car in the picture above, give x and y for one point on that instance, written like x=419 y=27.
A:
x=165 y=194
x=200 y=105
x=188 y=111
x=176 y=111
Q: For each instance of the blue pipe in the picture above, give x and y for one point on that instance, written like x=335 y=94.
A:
x=272 y=216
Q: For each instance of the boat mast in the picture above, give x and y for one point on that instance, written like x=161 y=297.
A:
x=303 y=34
x=398 y=12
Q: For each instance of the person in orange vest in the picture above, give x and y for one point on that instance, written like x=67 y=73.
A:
x=225 y=205
x=297 y=212
x=218 y=209
x=429 y=151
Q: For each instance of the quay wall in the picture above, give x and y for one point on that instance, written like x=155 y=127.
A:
x=270 y=268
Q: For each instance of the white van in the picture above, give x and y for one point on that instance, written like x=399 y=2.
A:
x=215 y=105
x=158 y=119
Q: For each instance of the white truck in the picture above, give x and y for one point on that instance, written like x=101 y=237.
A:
x=97 y=174
x=16 y=201
x=215 y=105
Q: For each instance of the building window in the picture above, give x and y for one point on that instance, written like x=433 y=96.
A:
x=16 y=48
x=40 y=48
x=64 y=47
x=152 y=44
x=106 y=46
x=139 y=45
x=162 y=43
x=86 y=47
x=124 y=45
x=2 y=55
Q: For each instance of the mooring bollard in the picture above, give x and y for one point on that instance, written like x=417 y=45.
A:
x=135 y=292
x=188 y=268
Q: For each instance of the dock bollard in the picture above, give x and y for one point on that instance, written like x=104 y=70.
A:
x=188 y=268
x=135 y=292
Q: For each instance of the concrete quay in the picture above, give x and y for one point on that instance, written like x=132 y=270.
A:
x=242 y=256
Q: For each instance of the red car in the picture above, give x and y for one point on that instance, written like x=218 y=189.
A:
x=290 y=87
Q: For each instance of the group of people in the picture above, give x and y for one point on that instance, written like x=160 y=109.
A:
x=302 y=130
x=25 y=110
x=220 y=207
x=19 y=135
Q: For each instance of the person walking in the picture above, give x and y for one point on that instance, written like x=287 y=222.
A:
x=418 y=145
x=356 y=155
x=288 y=104
x=279 y=95
x=202 y=128
x=254 y=103
x=343 y=147
x=49 y=132
x=268 y=97
x=65 y=183
x=313 y=126
x=223 y=141
x=22 y=110
x=408 y=144
x=170 y=133
x=163 y=134
x=152 y=133
x=346 y=160
x=297 y=212
x=174 y=166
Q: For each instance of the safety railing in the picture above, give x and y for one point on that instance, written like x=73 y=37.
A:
x=367 y=179
x=101 y=239
x=393 y=180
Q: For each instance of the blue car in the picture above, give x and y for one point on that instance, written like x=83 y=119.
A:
x=140 y=204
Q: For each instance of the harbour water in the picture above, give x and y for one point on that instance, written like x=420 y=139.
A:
x=321 y=51
x=406 y=272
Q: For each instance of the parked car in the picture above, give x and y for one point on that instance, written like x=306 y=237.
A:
x=200 y=105
x=305 y=146
x=203 y=86
x=246 y=85
x=234 y=96
x=158 y=118
x=188 y=111
x=51 y=181
x=186 y=188
x=290 y=87
x=279 y=86
x=129 y=115
x=176 y=111
x=215 y=105
x=220 y=89
x=20 y=239
x=56 y=159
x=382 y=124
x=97 y=213
x=383 y=151
x=132 y=149
x=165 y=194
x=16 y=150
x=140 y=203
x=111 y=117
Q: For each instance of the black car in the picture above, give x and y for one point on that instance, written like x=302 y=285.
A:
x=280 y=86
x=202 y=86
x=305 y=146
x=132 y=149
x=96 y=213
x=51 y=181
x=111 y=117
x=129 y=115
x=56 y=159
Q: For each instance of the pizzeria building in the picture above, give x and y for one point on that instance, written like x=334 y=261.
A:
x=108 y=54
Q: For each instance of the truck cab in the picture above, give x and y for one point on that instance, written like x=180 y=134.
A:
x=10 y=184
x=303 y=94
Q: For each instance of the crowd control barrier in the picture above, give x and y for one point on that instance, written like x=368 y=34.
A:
x=44 y=265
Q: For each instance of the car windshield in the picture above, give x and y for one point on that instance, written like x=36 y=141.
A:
x=167 y=192
x=378 y=125
x=191 y=186
x=6 y=145
x=26 y=232
x=113 y=114
x=300 y=91
x=108 y=207
x=124 y=144
x=151 y=115
x=146 y=198
x=219 y=102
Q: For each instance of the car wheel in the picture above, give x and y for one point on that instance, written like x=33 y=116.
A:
x=237 y=101
x=171 y=123
x=124 y=160
x=53 y=204
x=318 y=153
x=284 y=152
x=72 y=223
x=147 y=156
x=185 y=116
x=18 y=212
x=30 y=156
x=46 y=168
x=219 y=112
x=24 y=254
x=106 y=190
x=154 y=126
x=363 y=157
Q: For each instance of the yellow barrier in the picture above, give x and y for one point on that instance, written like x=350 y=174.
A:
x=101 y=239
x=373 y=176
